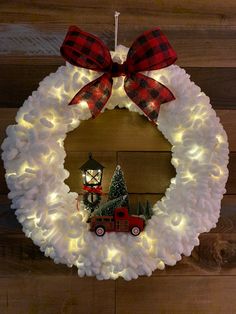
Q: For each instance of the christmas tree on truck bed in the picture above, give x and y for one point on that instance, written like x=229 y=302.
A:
x=108 y=208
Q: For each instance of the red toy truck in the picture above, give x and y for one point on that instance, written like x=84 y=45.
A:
x=121 y=221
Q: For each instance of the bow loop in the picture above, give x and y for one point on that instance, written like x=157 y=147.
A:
x=85 y=50
x=96 y=92
x=147 y=94
x=151 y=51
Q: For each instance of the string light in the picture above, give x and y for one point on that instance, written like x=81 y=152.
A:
x=217 y=172
x=219 y=138
x=60 y=142
x=178 y=136
x=73 y=245
x=52 y=197
x=188 y=176
x=196 y=152
x=83 y=104
x=25 y=123
x=25 y=167
x=178 y=221
x=111 y=253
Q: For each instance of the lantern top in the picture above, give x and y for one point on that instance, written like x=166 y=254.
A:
x=91 y=164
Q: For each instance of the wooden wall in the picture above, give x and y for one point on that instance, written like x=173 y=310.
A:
x=203 y=33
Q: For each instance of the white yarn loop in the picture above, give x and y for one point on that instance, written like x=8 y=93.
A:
x=34 y=154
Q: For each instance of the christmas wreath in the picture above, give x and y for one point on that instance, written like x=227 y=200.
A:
x=34 y=154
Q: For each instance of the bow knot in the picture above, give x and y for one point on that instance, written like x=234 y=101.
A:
x=150 y=51
x=118 y=69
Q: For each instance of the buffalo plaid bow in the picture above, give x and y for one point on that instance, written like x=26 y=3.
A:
x=150 y=51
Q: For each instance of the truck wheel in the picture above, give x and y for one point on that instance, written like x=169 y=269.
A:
x=100 y=231
x=135 y=231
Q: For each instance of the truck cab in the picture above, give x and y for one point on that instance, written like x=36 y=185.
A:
x=121 y=221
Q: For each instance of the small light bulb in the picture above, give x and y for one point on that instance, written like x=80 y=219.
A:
x=178 y=136
x=176 y=220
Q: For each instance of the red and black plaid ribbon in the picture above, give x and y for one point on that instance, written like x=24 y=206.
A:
x=150 y=51
x=94 y=189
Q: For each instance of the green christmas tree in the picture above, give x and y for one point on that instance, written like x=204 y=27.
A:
x=118 y=187
x=108 y=208
x=140 y=209
x=148 y=210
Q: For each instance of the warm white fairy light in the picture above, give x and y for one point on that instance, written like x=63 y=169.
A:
x=196 y=152
x=83 y=104
x=219 y=138
x=60 y=228
x=176 y=219
x=178 y=136
x=175 y=161
x=52 y=197
x=25 y=123
x=217 y=172
x=8 y=174
x=161 y=265
x=26 y=167
x=188 y=176
x=60 y=142
x=73 y=245
x=111 y=253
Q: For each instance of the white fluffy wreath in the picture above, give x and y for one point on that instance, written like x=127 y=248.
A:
x=34 y=154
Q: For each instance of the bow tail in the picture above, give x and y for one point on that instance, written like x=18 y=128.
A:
x=95 y=94
x=147 y=94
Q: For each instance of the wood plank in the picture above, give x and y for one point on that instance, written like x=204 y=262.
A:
x=115 y=131
x=146 y=172
x=226 y=223
x=56 y=294
x=192 y=294
x=210 y=80
x=123 y=123
x=28 y=81
x=21 y=42
x=165 y=12
x=157 y=171
x=7 y=117
x=217 y=83
x=216 y=254
x=231 y=183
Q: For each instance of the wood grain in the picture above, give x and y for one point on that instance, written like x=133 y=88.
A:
x=204 y=35
x=217 y=83
x=216 y=254
x=145 y=171
x=56 y=294
x=226 y=224
x=146 y=13
x=156 y=168
x=192 y=294
x=123 y=126
x=40 y=43
x=115 y=131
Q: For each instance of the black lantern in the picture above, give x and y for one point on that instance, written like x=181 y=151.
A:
x=92 y=172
